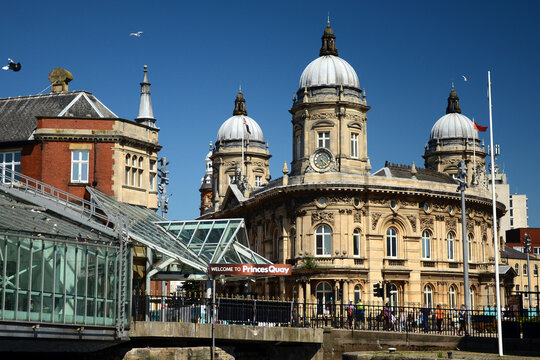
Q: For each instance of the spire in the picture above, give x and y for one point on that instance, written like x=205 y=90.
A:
x=146 y=115
x=240 y=104
x=328 y=41
x=453 y=102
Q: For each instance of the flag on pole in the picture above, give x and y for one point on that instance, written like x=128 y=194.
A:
x=480 y=127
x=249 y=132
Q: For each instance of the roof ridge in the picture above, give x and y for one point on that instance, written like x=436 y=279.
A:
x=47 y=95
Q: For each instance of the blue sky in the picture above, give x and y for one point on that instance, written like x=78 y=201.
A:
x=406 y=55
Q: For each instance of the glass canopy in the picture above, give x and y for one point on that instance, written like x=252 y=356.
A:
x=195 y=243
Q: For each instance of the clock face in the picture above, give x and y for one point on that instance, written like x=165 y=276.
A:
x=322 y=159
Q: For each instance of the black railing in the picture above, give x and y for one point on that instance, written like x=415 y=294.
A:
x=264 y=312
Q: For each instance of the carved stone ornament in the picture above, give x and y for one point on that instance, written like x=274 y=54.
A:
x=412 y=220
x=354 y=117
x=357 y=217
x=322 y=216
x=470 y=226
x=426 y=223
x=408 y=203
x=345 y=211
x=324 y=115
x=374 y=220
x=379 y=201
x=439 y=217
x=451 y=225
x=483 y=228
x=339 y=200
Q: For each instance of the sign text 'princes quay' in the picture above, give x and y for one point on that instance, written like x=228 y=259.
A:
x=250 y=269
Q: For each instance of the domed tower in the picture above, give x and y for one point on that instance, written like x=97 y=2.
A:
x=206 y=184
x=329 y=116
x=453 y=138
x=239 y=138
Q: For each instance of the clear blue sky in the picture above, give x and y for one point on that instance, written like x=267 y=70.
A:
x=406 y=54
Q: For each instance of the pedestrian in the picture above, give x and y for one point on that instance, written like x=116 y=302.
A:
x=326 y=315
x=425 y=312
x=462 y=321
x=455 y=320
x=402 y=319
x=350 y=314
x=439 y=317
x=295 y=318
x=387 y=318
x=359 y=314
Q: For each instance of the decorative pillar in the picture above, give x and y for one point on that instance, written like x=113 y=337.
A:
x=346 y=294
x=300 y=292
x=281 y=288
x=308 y=291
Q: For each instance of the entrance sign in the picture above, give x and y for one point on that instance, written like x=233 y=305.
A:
x=250 y=269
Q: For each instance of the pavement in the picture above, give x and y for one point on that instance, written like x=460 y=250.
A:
x=428 y=355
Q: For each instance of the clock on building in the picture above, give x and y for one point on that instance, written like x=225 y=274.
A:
x=322 y=159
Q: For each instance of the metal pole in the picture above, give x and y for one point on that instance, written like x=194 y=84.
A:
x=462 y=172
x=495 y=239
x=212 y=319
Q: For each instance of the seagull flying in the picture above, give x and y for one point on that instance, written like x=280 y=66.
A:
x=12 y=66
x=465 y=78
x=137 y=34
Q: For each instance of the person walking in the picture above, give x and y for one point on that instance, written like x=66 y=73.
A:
x=425 y=312
x=359 y=323
x=462 y=321
x=439 y=317
x=295 y=318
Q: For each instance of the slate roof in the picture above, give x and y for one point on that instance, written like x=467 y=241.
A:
x=512 y=253
x=405 y=172
x=18 y=115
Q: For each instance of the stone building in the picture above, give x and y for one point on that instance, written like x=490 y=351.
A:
x=342 y=225
x=70 y=140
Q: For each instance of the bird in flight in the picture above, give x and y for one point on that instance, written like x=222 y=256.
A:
x=465 y=78
x=137 y=34
x=12 y=66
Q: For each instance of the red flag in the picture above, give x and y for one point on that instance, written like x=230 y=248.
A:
x=479 y=127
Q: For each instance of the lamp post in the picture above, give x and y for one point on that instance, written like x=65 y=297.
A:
x=461 y=179
x=527 y=249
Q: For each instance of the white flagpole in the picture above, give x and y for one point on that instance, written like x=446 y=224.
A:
x=495 y=236
x=474 y=149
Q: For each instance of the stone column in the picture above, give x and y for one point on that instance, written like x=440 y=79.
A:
x=281 y=288
x=308 y=291
x=300 y=292
x=346 y=294
x=266 y=288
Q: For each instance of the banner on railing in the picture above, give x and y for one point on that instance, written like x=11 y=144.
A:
x=250 y=269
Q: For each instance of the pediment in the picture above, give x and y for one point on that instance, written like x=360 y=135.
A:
x=322 y=123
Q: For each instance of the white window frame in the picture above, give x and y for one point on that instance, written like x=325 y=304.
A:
x=354 y=145
x=258 y=181
x=516 y=268
x=77 y=159
x=470 y=240
x=13 y=165
x=323 y=139
x=428 y=296
x=452 y=298
x=450 y=244
x=524 y=269
x=356 y=243
x=426 y=244
x=323 y=240
x=391 y=242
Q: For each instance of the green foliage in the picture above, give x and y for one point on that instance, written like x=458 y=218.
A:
x=309 y=263
x=440 y=355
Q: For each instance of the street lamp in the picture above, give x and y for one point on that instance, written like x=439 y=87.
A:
x=461 y=179
x=527 y=249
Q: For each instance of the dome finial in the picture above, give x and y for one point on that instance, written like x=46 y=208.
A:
x=453 y=102
x=328 y=41
x=240 y=104
x=146 y=114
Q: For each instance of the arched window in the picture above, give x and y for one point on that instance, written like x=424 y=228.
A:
x=323 y=239
x=323 y=293
x=357 y=293
x=356 y=242
x=452 y=297
x=426 y=245
x=276 y=245
x=516 y=267
x=470 y=248
x=394 y=295
x=428 y=296
x=391 y=242
x=450 y=245
x=484 y=244
x=535 y=271
x=524 y=269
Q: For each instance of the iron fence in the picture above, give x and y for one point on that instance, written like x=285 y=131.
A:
x=265 y=312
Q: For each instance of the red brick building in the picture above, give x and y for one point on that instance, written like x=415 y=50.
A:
x=515 y=237
x=71 y=140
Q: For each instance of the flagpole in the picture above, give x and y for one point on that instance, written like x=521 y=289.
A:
x=474 y=150
x=495 y=236
x=243 y=130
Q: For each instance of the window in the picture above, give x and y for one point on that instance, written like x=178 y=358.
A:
x=394 y=296
x=484 y=244
x=470 y=247
x=128 y=170
x=323 y=238
x=450 y=246
x=426 y=245
x=323 y=292
x=517 y=287
x=511 y=202
x=258 y=181
x=526 y=289
x=516 y=267
x=79 y=166
x=428 y=296
x=452 y=297
x=324 y=139
x=356 y=242
x=391 y=242
x=152 y=175
x=354 y=145
x=10 y=161
x=511 y=222
x=536 y=250
x=535 y=270
x=276 y=245
x=231 y=179
x=298 y=146
x=357 y=294
x=511 y=212
x=292 y=241
x=524 y=269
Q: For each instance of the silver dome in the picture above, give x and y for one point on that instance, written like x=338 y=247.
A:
x=233 y=127
x=452 y=126
x=329 y=70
